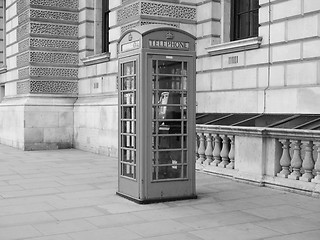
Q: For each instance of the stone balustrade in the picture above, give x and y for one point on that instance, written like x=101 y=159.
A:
x=284 y=158
x=300 y=159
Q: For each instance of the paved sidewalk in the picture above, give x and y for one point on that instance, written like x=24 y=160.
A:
x=70 y=195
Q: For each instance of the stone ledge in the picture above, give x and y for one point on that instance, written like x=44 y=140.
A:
x=296 y=186
x=95 y=59
x=235 y=46
x=47 y=146
x=3 y=69
x=220 y=171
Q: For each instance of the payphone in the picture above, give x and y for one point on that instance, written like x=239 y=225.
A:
x=156 y=114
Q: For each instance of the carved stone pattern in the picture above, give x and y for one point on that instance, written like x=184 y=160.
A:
x=23 y=59
x=54 y=58
x=165 y=23
x=24 y=45
x=129 y=26
x=54 y=43
x=23 y=31
x=21 y=5
x=53 y=15
x=54 y=29
x=23 y=87
x=24 y=17
x=72 y=4
x=23 y=73
x=53 y=87
x=168 y=10
x=128 y=12
x=53 y=72
x=132 y=25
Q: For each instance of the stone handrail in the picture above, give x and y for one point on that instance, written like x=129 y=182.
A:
x=287 y=158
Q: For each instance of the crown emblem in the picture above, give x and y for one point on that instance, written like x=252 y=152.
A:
x=130 y=37
x=169 y=35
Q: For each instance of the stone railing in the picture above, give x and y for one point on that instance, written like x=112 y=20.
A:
x=268 y=156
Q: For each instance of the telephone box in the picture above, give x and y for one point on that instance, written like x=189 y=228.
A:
x=156 y=114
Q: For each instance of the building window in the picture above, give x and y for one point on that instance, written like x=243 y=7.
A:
x=105 y=25
x=244 y=19
x=2 y=92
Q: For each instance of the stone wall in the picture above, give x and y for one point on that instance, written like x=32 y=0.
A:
x=96 y=110
x=282 y=75
x=41 y=81
x=11 y=111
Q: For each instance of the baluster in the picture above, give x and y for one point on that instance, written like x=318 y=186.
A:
x=231 y=153
x=201 y=149
x=296 y=161
x=308 y=162
x=224 y=152
x=209 y=150
x=217 y=150
x=285 y=159
x=196 y=149
x=317 y=165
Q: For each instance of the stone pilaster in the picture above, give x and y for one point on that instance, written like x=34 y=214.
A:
x=143 y=12
x=47 y=65
x=48 y=47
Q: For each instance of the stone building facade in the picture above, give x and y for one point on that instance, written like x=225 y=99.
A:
x=58 y=74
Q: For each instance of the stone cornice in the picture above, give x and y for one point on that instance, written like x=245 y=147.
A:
x=95 y=59
x=235 y=46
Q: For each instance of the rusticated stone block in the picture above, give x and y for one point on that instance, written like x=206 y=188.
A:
x=54 y=44
x=128 y=12
x=23 y=87
x=23 y=73
x=53 y=72
x=23 y=31
x=47 y=57
x=54 y=58
x=23 y=59
x=154 y=9
x=22 y=5
x=54 y=29
x=54 y=15
x=54 y=86
x=24 y=17
x=168 y=10
x=24 y=45
x=70 y=4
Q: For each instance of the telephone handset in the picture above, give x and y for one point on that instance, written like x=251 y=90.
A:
x=163 y=101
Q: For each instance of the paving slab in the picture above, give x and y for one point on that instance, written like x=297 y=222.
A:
x=70 y=195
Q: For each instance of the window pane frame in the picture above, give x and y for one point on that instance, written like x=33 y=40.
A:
x=249 y=28
x=105 y=25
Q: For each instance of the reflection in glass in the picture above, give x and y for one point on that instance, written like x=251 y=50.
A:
x=128 y=170
x=128 y=141
x=128 y=83
x=166 y=157
x=169 y=67
x=128 y=98
x=128 y=156
x=184 y=156
x=128 y=119
x=171 y=83
x=128 y=127
x=169 y=108
x=128 y=113
x=128 y=69
x=185 y=172
x=170 y=142
x=168 y=172
x=184 y=78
